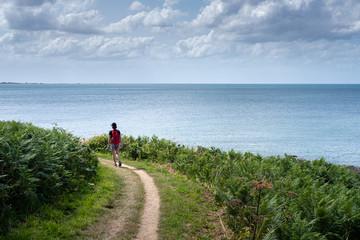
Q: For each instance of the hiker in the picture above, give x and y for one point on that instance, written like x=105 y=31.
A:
x=114 y=143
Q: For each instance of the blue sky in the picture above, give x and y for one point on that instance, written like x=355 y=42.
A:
x=180 y=41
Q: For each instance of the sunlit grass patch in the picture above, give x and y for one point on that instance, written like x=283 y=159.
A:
x=187 y=212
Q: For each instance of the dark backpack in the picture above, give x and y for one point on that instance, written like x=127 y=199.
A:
x=115 y=137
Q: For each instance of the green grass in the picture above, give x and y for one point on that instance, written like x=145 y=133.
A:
x=187 y=211
x=71 y=214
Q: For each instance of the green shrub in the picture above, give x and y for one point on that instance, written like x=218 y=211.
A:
x=307 y=200
x=37 y=165
x=98 y=143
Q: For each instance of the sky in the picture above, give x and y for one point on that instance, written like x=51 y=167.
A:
x=180 y=41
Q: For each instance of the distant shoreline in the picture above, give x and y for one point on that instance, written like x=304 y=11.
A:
x=176 y=83
x=17 y=83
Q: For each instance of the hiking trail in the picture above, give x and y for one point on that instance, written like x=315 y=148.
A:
x=151 y=209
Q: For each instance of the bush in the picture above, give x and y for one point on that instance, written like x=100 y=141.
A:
x=37 y=165
x=306 y=200
x=98 y=143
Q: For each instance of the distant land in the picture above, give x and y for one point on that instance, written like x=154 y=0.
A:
x=18 y=83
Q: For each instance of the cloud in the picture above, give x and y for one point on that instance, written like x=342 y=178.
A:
x=48 y=44
x=59 y=46
x=136 y=6
x=3 y=22
x=195 y=46
x=243 y=29
x=169 y=3
x=127 y=24
x=287 y=20
x=24 y=3
x=124 y=47
x=30 y=18
x=354 y=28
x=161 y=17
x=202 y=45
x=41 y=44
x=155 y=20
x=84 y=22
x=42 y=15
x=54 y=28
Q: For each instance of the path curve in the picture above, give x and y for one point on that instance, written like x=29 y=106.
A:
x=151 y=213
x=150 y=218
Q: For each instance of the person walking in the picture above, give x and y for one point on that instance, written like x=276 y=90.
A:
x=114 y=143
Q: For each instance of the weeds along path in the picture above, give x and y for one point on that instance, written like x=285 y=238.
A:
x=151 y=209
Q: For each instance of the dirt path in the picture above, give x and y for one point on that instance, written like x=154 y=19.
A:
x=114 y=228
x=151 y=214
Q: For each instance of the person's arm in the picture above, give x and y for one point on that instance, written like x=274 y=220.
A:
x=109 y=141
x=121 y=141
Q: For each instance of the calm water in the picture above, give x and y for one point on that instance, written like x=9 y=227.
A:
x=310 y=121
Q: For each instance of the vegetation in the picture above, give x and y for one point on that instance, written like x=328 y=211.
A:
x=187 y=210
x=265 y=197
x=98 y=143
x=71 y=214
x=37 y=166
x=49 y=185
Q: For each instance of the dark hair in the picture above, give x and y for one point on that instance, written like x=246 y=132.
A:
x=113 y=125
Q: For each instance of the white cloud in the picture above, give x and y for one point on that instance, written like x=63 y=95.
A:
x=161 y=17
x=297 y=4
x=211 y=14
x=47 y=44
x=74 y=5
x=124 y=47
x=30 y=18
x=136 y=6
x=351 y=29
x=286 y=20
x=263 y=10
x=127 y=24
x=59 y=46
x=5 y=43
x=40 y=15
x=200 y=46
x=169 y=3
x=30 y=2
x=270 y=29
x=84 y=22
x=155 y=20
x=3 y=22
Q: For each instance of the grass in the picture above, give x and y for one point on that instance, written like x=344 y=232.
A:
x=126 y=210
x=187 y=210
x=71 y=214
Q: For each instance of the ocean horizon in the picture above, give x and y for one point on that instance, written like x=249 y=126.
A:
x=307 y=120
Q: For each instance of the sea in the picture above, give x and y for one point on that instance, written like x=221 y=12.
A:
x=309 y=121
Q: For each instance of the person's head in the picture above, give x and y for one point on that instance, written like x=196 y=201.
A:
x=113 y=125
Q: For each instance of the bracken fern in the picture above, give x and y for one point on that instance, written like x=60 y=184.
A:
x=327 y=205
x=36 y=165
